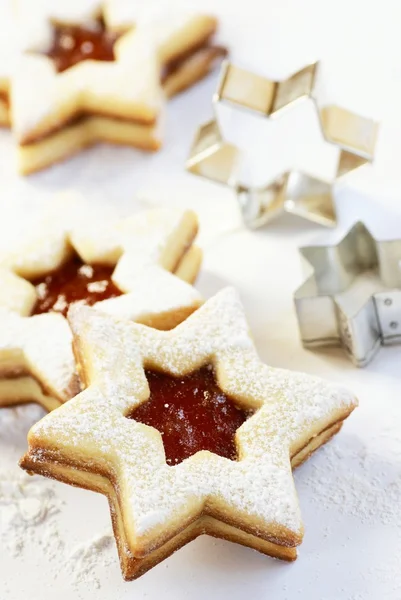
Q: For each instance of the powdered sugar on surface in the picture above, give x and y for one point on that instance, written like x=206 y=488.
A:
x=27 y=506
x=31 y=510
x=85 y=558
x=31 y=513
x=351 y=479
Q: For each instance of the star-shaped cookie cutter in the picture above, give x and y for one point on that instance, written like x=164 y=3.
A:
x=157 y=508
x=353 y=297
x=36 y=359
x=293 y=192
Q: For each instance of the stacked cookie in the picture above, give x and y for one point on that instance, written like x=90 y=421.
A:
x=186 y=432
x=98 y=71
x=136 y=267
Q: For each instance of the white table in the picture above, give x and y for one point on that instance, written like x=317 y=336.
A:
x=350 y=491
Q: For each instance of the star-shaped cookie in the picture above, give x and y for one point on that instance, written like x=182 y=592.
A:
x=167 y=488
x=90 y=77
x=123 y=265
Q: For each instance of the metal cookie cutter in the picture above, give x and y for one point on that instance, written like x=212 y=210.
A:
x=353 y=297
x=294 y=192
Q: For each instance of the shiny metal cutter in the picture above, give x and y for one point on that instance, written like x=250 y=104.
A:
x=353 y=297
x=293 y=192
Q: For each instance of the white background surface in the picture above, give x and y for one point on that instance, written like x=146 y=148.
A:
x=350 y=492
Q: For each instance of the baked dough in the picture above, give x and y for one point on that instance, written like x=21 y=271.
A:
x=146 y=249
x=157 y=508
x=119 y=101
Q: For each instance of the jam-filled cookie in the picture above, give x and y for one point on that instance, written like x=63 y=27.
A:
x=133 y=267
x=186 y=432
x=90 y=77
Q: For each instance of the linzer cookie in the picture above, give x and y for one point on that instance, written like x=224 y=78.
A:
x=187 y=433
x=128 y=267
x=89 y=78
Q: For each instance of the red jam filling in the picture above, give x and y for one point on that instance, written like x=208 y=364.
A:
x=74 y=282
x=73 y=44
x=192 y=414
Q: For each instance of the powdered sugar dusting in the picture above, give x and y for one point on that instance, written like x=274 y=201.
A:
x=259 y=488
x=161 y=292
x=354 y=480
x=27 y=505
x=40 y=345
x=31 y=513
x=84 y=559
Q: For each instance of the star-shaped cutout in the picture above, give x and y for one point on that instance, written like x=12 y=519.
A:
x=145 y=253
x=101 y=80
x=353 y=297
x=73 y=43
x=156 y=508
x=292 y=192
